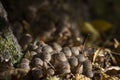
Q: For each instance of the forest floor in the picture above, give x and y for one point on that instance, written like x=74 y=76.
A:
x=60 y=43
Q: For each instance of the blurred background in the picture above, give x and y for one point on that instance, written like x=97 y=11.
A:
x=49 y=19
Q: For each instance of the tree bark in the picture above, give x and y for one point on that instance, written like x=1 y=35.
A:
x=9 y=47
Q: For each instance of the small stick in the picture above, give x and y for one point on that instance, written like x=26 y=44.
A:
x=84 y=42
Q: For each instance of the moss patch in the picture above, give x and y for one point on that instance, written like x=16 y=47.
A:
x=9 y=48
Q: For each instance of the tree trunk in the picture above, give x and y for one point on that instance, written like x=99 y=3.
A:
x=9 y=47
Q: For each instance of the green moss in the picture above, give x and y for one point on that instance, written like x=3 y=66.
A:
x=9 y=48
